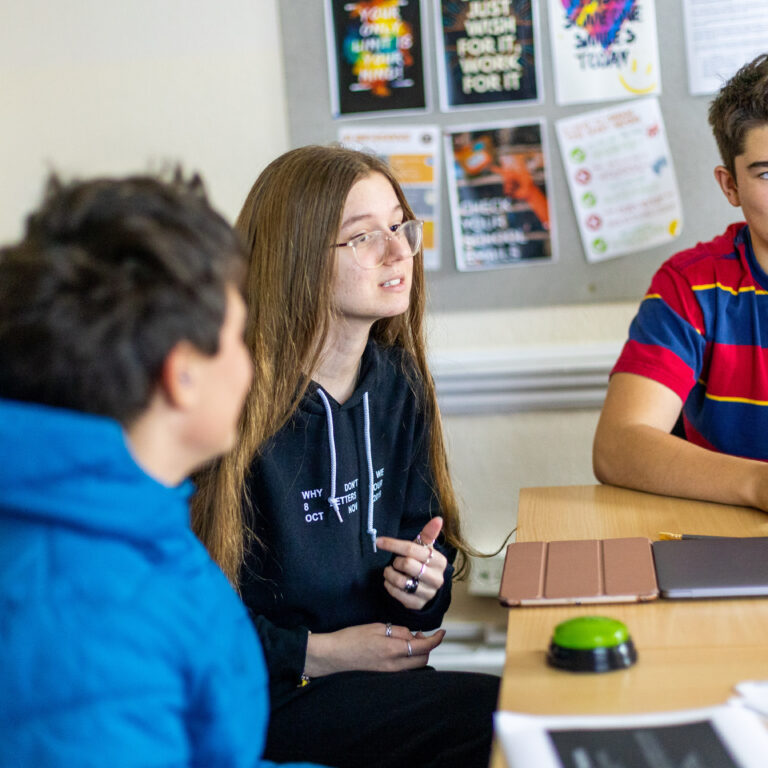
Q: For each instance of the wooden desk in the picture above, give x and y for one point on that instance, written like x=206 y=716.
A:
x=690 y=652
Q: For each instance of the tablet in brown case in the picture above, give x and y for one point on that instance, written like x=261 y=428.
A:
x=574 y=572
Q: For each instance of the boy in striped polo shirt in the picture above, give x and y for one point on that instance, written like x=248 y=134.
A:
x=699 y=341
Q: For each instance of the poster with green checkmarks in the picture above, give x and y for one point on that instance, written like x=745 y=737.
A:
x=621 y=178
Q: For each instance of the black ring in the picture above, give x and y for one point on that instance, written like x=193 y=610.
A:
x=411 y=585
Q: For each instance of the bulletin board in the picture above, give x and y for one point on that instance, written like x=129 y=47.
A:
x=568 y=278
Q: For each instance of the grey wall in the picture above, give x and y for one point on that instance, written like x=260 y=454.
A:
x=571 y=279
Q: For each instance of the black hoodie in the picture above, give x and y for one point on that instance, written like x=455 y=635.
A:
x=322 y=491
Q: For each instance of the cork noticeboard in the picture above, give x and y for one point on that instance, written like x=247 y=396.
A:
x=570 y=279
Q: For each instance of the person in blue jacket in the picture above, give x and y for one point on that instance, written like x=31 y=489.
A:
x=335 y=513
x=122 y=369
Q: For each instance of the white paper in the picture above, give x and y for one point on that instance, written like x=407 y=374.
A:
x=604 y=51
x=720 y=36
x=413 y=154
x=753 y=694
x=526 y=739
x=621 y=178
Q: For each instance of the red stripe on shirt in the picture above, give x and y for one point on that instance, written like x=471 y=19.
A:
x=737 y=370
x=673 y=289
x=656 y=363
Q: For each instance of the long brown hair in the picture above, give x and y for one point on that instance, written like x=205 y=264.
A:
x=289 y=221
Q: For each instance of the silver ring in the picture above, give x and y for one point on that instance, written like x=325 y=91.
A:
x=418 y=540
x=421 y=570
x=410 y=650
x=411 y=585
x=388 y=631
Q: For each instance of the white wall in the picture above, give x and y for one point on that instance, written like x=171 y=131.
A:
x=106 y=87
x=494 y=455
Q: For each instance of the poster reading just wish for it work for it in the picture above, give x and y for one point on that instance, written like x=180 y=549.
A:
x=487 y=53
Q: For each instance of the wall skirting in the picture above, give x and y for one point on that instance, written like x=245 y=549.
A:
x=523 y=378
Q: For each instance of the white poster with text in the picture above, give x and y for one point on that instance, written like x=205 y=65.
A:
x=604 y=50
x=621 y=178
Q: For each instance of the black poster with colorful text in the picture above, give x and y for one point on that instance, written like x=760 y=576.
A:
x=376 y=56
x=488 y=52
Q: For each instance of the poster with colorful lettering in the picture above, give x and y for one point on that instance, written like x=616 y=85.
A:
x=413 y=154
x=488 y=53
x=604 y=50
x=375 y=56
x=621 y=178
x=497 y=185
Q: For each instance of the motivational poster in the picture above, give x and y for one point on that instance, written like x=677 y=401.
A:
x=621 y=179
x=375 y=56
x=500 y=212
x=487 y=52
x=412 y=153
x=604 y=50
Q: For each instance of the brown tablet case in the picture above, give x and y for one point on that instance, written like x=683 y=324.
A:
x=574 y=572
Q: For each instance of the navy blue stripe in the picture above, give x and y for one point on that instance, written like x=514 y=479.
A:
x=739 y=319
x=740 y=429
x=657 y=324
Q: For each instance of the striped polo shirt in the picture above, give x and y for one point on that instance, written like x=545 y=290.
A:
x=702 y=331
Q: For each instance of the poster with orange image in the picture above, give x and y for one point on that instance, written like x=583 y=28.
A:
x=497 y=184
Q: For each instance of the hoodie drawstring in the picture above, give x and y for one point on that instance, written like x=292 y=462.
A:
x=369 y=460
x=333 y=500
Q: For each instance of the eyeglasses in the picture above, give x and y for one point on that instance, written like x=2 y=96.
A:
x=370 y=249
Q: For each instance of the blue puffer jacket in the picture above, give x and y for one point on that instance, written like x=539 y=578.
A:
x=121 y=643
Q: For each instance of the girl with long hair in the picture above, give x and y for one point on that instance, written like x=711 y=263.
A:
x=335 y=515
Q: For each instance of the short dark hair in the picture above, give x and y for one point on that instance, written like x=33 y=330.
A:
x=740 y=105
x=109 y=276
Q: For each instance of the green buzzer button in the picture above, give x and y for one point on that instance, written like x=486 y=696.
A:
x=591 y=644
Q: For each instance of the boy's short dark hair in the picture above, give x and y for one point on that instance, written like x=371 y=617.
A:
x=740 y=105
x=109 y=276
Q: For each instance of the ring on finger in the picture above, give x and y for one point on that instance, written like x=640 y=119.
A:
x=421 y=570
x=411 y=585
x=388 y=630
x=410 y=650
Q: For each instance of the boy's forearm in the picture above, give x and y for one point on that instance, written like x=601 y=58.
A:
x=648 y=459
